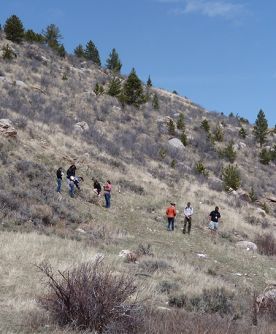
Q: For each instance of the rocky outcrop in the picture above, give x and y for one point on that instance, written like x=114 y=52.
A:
x=176 y=143
x=248 y=245
x=7 y=129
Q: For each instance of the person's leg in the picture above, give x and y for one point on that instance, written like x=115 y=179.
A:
x=169 y=224
x=185 y=224
x=59 y=185
x=172 y=224
x=106 y=200
x=71 y=189
x=189 y=225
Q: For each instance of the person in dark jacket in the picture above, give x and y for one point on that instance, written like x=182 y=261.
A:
x=71 y=171
x=59 y=179
x=97 y=187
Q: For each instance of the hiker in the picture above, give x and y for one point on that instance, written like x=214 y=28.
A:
x=214 y=221
x=71 y=171
x=188 y=212
x=171 y=213
x=71 y=185
x=97 y=187
x=107 y=193
x=59 y=179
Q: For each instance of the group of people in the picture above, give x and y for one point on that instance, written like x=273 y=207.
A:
x=74 y=181
x=214 y=217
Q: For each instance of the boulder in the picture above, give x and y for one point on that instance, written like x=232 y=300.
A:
x=176 y=143
x=7 y=129
x=266 y=300
x=248 y=245
x=81 y=126
x=21 y=84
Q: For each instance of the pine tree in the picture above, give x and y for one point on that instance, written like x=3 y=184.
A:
x=92 y=53
x=180 y=122
x=79 y=51
x=205 y=125
x=113 y=62
x=14 y=29
x=229 y=153
x=61 y=51
x=149 y=83
x=114 y=88
x=52 y=36
x=31 y=36
x=8 y=53
x=133 y=93
x=98 y=90
x=184 y=138
x=231 y=177
x=218 y=134
x=155 y=102
x=171 y=127
x=261 y=128
x=265 y=156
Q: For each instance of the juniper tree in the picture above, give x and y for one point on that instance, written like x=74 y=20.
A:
x=229 y=153
x=218 y=134
x=98 y=90
x=180 y=122
x=92 y=53
x=205 y=125
x=79 y=51
x=133 y=93
x=183 y=138
x=261 y=128
x=171 y=127
x=8 y=53
x=231 y=177
x=265 y=156
x=242 y=132
x=113 y=62
x=14 y=29
x=61 y=51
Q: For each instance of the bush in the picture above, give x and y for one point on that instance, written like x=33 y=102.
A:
x=14 y=29
x=90 y=297
x=8 y=53
x=231 y=177
x=154 y=265
x=229 y=153
x=266 y=244
x=201 y=169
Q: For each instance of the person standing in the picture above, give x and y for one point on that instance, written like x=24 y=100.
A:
x=107 y=193
x=71 y=185
x=188 y=212
x=171 y=213
x=59 y=179
x=214 y=221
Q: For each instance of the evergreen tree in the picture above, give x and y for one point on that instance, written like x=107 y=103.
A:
x=133 y=93
x=79 y=51
x=98 y=90
x=8 y=53
x=231 y=177
x=114 y=88
x=242 y=133
x=265 y=156
x=261 y=128
x=61 y=51
x=92 y=53
x=52 y=36
x=155 y=102
x=218 y=134
x=171 y=127
x=113 y=62
x=183 y=138
x=14 y=29
x=149 y=83
x=205 y=125
x=31 y=36
x=229 y=152
x=180 y=122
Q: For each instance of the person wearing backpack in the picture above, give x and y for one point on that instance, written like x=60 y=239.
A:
x=59 y=179
x=171 y=213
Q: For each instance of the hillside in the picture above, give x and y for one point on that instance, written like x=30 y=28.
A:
x=45 y=98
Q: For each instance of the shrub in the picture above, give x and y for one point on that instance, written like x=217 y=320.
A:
x=201 y=169
x=8 y=53
x=128 y=185
x=155 y=102
x=242 y=133
x=265 y=156
x=14 y=29
x=231 y=177
x=180 y=122
x=183 y=138
x=229 y=153
x=154 y=265
x=144 y=250
x=205 y=125
x=171 y=127
x=266 y=244
x=167 y=287
x=218 y=134
x=98 y=90
x=90 y=297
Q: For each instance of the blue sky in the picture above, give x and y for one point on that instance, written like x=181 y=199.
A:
x=219 y=53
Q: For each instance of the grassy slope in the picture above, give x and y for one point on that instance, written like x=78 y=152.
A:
x=132 y=219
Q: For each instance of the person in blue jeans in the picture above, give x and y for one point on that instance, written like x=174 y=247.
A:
x=71 y=185
x=59 y=179
x=107 y=193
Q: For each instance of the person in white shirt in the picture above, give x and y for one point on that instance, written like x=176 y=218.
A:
x=188 y=212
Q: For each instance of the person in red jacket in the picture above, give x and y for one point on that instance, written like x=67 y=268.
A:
x=171 y=213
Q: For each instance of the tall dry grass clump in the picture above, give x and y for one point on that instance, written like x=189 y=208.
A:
x=91 y=297
x=266 y=244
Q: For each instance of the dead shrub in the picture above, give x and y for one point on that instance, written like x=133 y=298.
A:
x=152 y=265
x=266 y=244
x=90 y=297
x=143 y=250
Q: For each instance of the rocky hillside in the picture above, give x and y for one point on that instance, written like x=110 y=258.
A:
x=50 y=116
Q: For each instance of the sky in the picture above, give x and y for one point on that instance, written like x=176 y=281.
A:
x=219 y=53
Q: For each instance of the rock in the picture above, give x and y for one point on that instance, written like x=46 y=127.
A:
x=267 y=300
x=243 y=195
x=202 y=255
x=81 y=126
x=80 y=230
x=271 y=198
x=176 y=143
x=6 y=128
x=21 y=84
x=248 y=245
x=261 y=212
